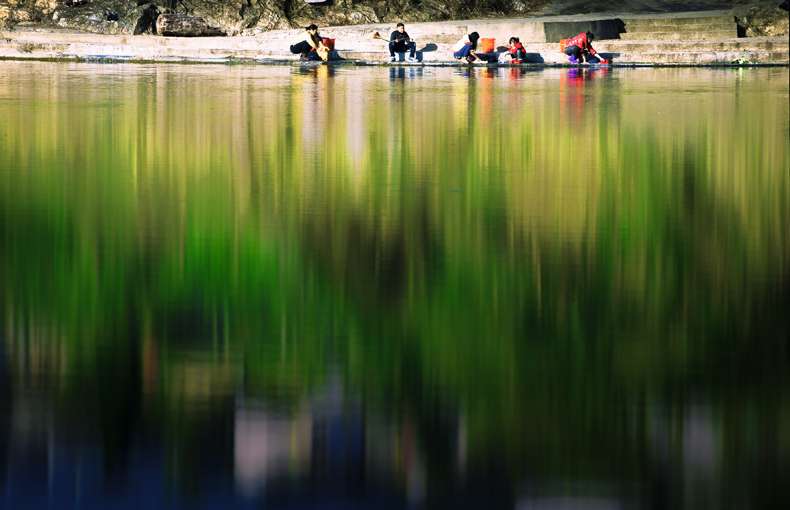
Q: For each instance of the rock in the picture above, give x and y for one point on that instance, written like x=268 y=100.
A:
x=181 y=25
x=764 y=19
x=269 y=18
x=92 y=16
x=23 y=15
x=6 y=14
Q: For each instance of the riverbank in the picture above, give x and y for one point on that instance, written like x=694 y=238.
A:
x=710 y=37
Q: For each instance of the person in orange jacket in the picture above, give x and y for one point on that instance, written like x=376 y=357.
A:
x=581 y=46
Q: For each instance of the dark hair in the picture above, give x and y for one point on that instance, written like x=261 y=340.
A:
x=513 y=40
x=399 y=25
x=590 y=36
x=473 y=37
x=312 y=27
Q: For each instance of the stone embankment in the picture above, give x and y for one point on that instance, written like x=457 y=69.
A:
x=691 y=38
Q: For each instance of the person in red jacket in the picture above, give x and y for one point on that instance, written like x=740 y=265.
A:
x=517 y=52
x=581 y=45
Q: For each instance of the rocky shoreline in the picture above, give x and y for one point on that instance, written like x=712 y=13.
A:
x=249 y=18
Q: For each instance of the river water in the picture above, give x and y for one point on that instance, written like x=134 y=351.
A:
x=234 y=286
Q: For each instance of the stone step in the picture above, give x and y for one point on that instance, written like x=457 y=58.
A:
x=761 y=50
x=751 y=57
x=679 y=36
x=545 y=55
x=761 y=44
x=689 y=28
x=651 y=58
x=741 y=44
x=733 y=44
x=637 y=46
x=144 y=41
x=351 y=43
x=677 y=21
x=74 y=50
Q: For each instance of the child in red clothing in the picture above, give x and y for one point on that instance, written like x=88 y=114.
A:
x=517 y=52
x=581 y=45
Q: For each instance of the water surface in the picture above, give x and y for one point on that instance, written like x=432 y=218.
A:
x=344 y=287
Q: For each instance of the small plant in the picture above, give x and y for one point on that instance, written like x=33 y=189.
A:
x=740 y=60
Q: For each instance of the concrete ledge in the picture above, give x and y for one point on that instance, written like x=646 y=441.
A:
x=679 y=36
x=684 y=29
x=770 y=52
x=678 y=20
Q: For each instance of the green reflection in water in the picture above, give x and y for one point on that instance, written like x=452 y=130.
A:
x=552 y=254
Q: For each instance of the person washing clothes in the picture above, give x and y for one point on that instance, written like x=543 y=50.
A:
x=465 y=48
x=517 y=52
x=581 y=46
x=309 y=41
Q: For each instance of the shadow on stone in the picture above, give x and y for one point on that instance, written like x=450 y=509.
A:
x=620 y=24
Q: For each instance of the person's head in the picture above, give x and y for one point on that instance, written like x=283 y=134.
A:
x=590 y=36
x=399 y=27
x=312 y=28
x=473 y=37
x=513 y=40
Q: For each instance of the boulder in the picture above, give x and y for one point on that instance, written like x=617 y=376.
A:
x=762 y=19
x=181 y=25
x=110 y=17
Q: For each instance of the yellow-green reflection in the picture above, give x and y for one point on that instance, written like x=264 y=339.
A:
x=542 y=250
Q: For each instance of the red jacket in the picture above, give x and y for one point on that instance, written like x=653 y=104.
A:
x=581 y=41
x=514 y=49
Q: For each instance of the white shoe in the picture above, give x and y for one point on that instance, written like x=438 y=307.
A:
x=392 y=59
x=412 y=59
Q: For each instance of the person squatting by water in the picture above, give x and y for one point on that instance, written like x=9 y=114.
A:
x=517 y=52
x=400 y=42
x=309 y=41
x=465 y=48
x=581 y=45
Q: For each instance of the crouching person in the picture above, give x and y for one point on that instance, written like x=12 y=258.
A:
x=465 y=48
x=580 y=47
x=517 y=52
x=309 y=41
